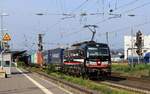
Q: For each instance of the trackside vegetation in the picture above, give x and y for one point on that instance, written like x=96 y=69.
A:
x=100 y=88
x=138 y=71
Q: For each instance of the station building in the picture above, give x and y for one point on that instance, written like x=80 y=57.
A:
x=5 y=62
x=129 y=43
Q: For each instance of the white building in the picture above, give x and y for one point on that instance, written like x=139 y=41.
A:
x=129 y=42
x=5 y=62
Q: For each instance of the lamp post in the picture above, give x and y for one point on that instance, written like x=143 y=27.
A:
x=40 y=36
x=2 y=34
x=2 y=16
x=39 y=22
x=131 y=15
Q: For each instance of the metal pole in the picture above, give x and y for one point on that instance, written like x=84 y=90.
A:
x=1 y=40
x=2 y=34
x=132 y=45
x=132 y=39
x=2 y=60
x=2 y=29
x=1 y=25
x=139 y=59
x=107 y=38
x=149 y=58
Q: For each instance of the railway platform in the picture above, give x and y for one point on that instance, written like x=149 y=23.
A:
x=23 y=82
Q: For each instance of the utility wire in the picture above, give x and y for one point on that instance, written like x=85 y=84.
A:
x=82 y=4
x=143 y=5
x=127 y=4
x=125 y=28
x=53 y=25
x=104 y=20
x=69 y=34
x=116 y=4
x=62 y=6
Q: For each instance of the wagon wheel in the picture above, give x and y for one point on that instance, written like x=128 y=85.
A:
x=84 y=72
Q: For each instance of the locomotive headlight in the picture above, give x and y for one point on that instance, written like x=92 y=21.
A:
x=98 y=62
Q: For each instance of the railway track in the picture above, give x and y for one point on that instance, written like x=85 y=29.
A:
x=76 y=89
x=126 y=87
x=142 y=79
x=140 y=85
x=116 y=81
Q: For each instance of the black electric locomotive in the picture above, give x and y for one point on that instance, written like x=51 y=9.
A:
x=87 y=59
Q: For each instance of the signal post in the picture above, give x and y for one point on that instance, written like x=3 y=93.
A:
x=5 y=56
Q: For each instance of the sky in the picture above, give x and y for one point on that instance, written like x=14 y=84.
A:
x=24 y=25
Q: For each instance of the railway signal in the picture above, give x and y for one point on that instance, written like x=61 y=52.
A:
x=40 y=42
x=139 y=43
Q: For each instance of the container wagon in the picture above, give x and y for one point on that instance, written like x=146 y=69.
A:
x=147 y=57
x=35 y=58
x=54 y=57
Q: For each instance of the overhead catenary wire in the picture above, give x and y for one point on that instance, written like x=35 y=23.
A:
x=82 y=4
x=104 y=20
x=118 y=8
x=78 y=7
x=62 y=5
x=68 y=34
x=123 y=29
x=127 y=4
x=127 y=27
x=116 y=4
x=140 y=6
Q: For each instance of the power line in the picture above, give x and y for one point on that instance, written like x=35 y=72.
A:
x=128 y=4
x=53 y=25
x=69 y=34
x=104 y=20
x=143 y=5
x=107 y=18
x=128 y=27
x=78 y=7
x=123 y=29
x=116 y=3
x=62 y=6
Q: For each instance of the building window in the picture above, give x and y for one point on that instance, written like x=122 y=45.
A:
x=7 y=64
x=144 y=51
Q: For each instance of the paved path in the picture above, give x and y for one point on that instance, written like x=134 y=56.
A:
x=21 y=82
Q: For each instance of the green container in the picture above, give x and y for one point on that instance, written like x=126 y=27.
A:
x=32 y=58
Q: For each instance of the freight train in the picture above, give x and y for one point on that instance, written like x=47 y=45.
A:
x=86 y=59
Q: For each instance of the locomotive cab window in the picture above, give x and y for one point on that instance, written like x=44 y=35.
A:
x=103 y=51
x=74 y=53
x=97 y=51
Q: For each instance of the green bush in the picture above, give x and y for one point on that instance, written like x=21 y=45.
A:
x=50 y=68
x=20 y=64
x=139 y=69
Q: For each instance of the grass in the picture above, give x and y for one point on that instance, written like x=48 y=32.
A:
x=101 y=88
x=137 y=71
